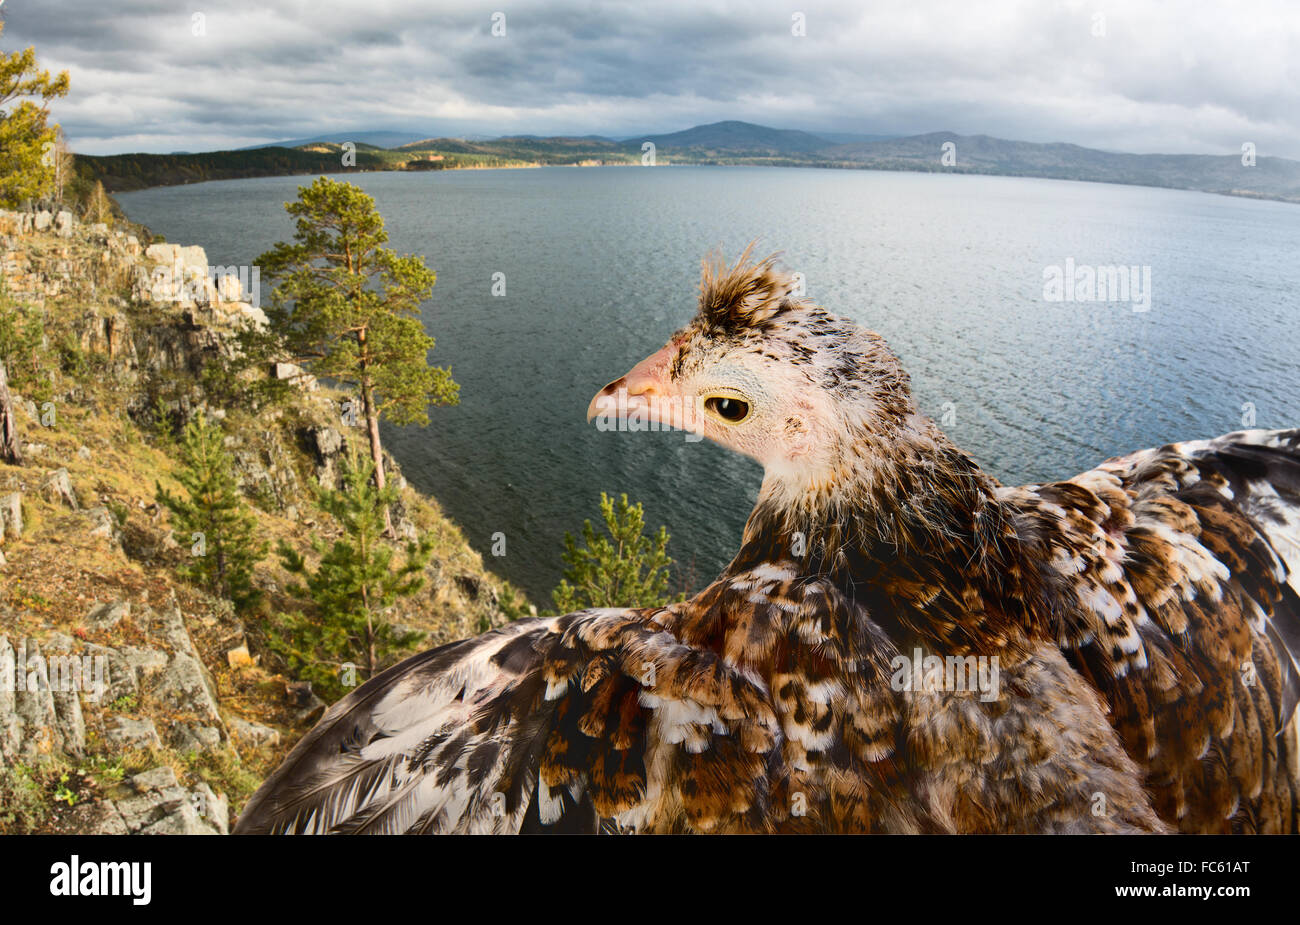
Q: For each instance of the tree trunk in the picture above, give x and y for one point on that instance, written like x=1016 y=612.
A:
x=371 y=659
x=372 y=426
x=376 y=452
x=371 y=655
x=10 y=451
x=222 y=588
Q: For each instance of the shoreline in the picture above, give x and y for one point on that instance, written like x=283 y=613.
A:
x=960 y=171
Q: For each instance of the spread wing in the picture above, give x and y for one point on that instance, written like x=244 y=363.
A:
x=1186 y=564
x=468 y=737
x=572 y=723
x=612 y=720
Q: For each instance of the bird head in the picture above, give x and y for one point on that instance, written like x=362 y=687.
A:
x=767 y=373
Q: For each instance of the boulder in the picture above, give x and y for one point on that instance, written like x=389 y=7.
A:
x=193 y=257
x=121 y=675
x=103 y=524
x=44 y=717
x=176 y=255
x=158 y=794
x=328 y=442
x=51 y=713
x=11 y=727
x=158 y=780
x=8 y=675
x=107 y=616
x=64 y=223
x=145 y=662
x=245 y=732
x=161 y=253
x=292 y=372
x=11 y=514
x=184 y=820
x=72 y=724
x=126 y=732
x=178 y=274
x=57 y=488
x=192 y=737
x=182 y=686
x=213 y=808
x=43 y=221
x=170 y=628
x=57 y=643
x=98 y=818
x=38 y=728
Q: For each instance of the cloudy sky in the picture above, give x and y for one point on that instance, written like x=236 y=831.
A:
x=1131 y=75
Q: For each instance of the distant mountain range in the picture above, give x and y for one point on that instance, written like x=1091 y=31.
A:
x=742 y=143
x=374 y=139
x=739 y=138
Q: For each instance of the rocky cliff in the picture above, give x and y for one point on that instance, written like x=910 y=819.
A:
x=131 y=701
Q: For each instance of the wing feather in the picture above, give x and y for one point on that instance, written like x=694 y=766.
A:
x=1185 y=560
x=448 y=740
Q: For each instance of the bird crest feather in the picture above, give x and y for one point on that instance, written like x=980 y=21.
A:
x=746 y=294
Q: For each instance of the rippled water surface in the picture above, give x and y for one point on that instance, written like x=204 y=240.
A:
x=601 y=265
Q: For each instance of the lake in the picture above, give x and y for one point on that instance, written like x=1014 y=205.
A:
x=601 y=265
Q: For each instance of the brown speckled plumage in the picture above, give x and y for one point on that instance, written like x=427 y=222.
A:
x=1142 y=618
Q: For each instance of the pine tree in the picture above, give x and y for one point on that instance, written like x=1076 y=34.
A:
x=348 y=308
x=28 y=144
x=217 y=523
x=355 y=583
x=625 y=569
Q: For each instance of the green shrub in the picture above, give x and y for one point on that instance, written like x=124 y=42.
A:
x=213 y=520
x=23 y=805
x=625 y=569
x=357 y=580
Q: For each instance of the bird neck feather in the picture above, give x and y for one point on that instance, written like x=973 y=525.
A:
x=913 y=530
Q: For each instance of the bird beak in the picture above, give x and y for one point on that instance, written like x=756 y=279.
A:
x=646 y=393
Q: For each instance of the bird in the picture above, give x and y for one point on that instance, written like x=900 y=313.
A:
x=901 y=643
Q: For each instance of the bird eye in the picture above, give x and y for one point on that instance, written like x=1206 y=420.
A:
x=729 y=409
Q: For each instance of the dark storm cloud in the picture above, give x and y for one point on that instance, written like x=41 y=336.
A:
x=1160 y=77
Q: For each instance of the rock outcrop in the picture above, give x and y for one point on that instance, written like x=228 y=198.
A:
x=45 y=685
x=135 y=683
